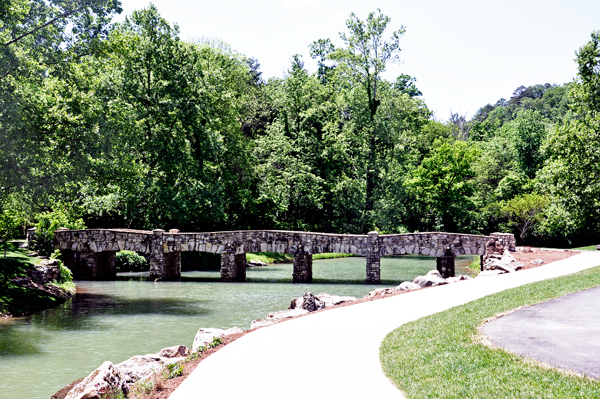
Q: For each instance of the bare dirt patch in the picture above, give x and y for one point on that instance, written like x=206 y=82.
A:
x=527 y=254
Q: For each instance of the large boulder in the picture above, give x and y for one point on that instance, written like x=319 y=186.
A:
x=143 y=367
x=506 y=262
x=307 y=302
x=205 y=336
x=106 y=379
x=332 y=300
x=432 y=279
x=407 y=286
x=174 y=351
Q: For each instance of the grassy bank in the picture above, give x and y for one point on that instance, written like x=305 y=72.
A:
x=441 y=356
x=17 y=300
x=588 y=248
x=274 y=257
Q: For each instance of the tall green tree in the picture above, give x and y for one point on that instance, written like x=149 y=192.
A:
x=572 y=173
x=443 y=185
x=364 y=58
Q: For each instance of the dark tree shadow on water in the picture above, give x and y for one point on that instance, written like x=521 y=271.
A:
x=82 y=311
x=18 y=342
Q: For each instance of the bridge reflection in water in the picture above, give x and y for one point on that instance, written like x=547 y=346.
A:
x=90 y=253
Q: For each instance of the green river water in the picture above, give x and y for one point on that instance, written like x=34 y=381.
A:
x=114 y=320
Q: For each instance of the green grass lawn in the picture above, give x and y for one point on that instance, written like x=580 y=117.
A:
x=588 y=248
x=274 y=257
x=440 y=356
x=14 y=299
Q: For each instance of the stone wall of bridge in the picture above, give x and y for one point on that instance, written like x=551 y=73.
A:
x=87 y=250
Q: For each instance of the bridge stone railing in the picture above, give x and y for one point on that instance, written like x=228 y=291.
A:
x=91 y=253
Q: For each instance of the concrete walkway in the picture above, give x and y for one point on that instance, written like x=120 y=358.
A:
x=335 y=354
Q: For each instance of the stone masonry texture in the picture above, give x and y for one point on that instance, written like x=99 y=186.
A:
x=163 y=247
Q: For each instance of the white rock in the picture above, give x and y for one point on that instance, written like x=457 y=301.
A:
x=434 y=273
x=174 y=351
x=332 y=300
x=104 y=379
x=408 y=286
x=429 y=281
x=205 y=336
x=142 y=367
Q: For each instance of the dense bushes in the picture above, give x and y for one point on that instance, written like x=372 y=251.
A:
x=130 y=261
x=47 y=223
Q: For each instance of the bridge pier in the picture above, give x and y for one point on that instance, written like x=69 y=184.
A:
x=233 y=266
x=373 y=259
x=88 y=265
x=445 y=264
x=163 y=265
x=302 y=267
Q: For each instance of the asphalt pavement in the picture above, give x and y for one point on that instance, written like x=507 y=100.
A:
x=563 y=332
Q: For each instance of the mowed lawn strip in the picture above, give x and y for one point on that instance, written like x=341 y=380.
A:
x=441 y=356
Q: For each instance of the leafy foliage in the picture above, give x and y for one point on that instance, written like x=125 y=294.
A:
x=48 y=222
x=130 y=261
x=525 y=211
x=127 y=125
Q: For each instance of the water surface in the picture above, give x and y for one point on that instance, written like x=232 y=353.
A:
x=114 y=320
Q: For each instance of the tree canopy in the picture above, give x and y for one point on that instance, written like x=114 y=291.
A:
x=127 y=125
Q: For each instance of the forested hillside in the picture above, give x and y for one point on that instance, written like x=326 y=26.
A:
x=127 y=125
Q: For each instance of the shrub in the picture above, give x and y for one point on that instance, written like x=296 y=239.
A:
x=216 y=341
x=65 y=275
x=173 y=370
x=9 y=228
x=47 y=223
x=130 y=261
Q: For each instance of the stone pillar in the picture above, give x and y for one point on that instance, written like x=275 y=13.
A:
x=302 y=267
x=157 y=255
x=373 y=259
x=445 y=264
x=506 y=239
x=233 y=266
x=30 y=234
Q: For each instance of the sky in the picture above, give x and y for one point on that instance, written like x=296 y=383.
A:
x=463 y=53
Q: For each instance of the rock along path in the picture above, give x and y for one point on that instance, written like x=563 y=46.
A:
x=335 y=354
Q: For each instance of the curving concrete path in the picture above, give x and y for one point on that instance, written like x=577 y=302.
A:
x=335 y=354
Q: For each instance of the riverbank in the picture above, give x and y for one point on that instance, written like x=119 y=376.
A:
x=21 y=296
x=336 y=354
x=169 y=385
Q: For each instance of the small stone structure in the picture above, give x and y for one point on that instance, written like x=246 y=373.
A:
x=90 y=254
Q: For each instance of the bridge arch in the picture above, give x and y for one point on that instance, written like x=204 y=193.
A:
x=90 y=252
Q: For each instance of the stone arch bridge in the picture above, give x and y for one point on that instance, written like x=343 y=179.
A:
x=90 y=253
